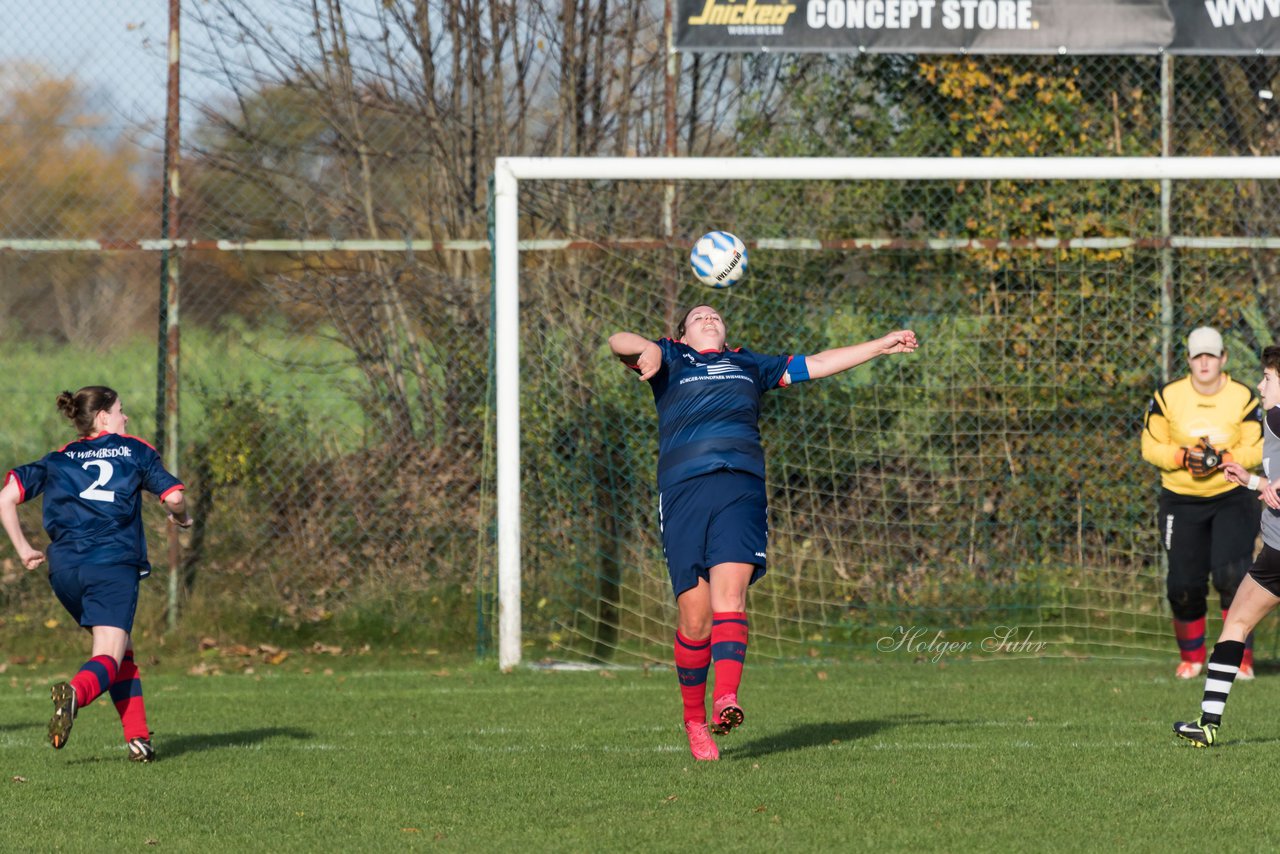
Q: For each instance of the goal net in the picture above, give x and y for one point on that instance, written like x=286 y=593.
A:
x=989 y=485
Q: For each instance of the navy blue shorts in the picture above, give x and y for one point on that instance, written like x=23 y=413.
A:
x=721 y=517
x=98 y=595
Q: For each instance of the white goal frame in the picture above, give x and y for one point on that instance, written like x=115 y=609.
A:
x=510 y=171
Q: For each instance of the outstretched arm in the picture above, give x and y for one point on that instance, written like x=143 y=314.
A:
x=636 y=351
x=10 y=497
x=830 y=362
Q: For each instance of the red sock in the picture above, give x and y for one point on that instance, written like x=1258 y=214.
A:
x=1190 y=635
x=94 y=678
x=1248 y=644
x=126 y=693
x=728 y=649
x=692 y=660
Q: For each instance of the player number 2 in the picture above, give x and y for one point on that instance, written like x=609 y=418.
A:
x=105 y=470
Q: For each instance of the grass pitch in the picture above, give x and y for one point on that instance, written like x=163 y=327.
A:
x=883 y=754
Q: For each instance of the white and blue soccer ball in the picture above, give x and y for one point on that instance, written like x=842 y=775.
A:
x=719 y=259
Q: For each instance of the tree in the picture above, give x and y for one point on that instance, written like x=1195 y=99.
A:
x=59 y=180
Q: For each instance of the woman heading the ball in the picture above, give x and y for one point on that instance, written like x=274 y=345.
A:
x=712 y=505
x=97 y=551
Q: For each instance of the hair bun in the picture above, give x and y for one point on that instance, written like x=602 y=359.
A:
x=67 y=404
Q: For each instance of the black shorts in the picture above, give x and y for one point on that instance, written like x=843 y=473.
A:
x=1266 y=569
x=1203 y=535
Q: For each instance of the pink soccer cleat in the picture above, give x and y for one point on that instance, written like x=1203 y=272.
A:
x=726 y=714
x=701 y=745
x=1188 y=669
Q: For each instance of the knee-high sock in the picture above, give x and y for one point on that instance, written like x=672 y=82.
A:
x=728 y=649
x=126 y=693
x=94 y=678
x=1248 y=643
x=693 y=658
x=1224 y=664
x=1190 y=634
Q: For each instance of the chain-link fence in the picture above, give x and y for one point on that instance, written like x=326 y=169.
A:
x=991 y=480
x=334 y=315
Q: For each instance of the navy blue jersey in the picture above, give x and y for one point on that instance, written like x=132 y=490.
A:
x=709 y=408
x=93 y=500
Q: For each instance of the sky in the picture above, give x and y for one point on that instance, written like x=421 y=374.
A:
x=115 y=48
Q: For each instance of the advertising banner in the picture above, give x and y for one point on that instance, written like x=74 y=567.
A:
x=981 y=26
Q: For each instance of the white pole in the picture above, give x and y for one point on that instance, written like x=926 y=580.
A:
x=1166 y=220
x=506 y=261
x=893 y=168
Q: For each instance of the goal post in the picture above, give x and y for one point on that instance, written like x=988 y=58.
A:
x=511 y=173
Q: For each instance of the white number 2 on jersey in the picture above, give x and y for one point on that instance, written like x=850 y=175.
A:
x=105 y=470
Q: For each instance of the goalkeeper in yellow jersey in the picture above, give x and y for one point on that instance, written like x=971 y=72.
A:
x=1207 y=523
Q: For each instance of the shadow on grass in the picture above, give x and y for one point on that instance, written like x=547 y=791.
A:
x=1236 y=742
x=170 y=748
x=820 y=735
x=16 y=727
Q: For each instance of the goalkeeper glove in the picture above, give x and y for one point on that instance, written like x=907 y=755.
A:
x=1202 y=460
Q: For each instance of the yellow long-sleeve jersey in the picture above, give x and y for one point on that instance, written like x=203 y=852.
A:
x=1179 y=417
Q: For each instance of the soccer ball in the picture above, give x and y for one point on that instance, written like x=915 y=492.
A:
x=719 y=259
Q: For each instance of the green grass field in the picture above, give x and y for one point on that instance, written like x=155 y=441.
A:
x=881 y=754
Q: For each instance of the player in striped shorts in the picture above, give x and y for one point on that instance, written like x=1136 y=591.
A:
x=1259 y=592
